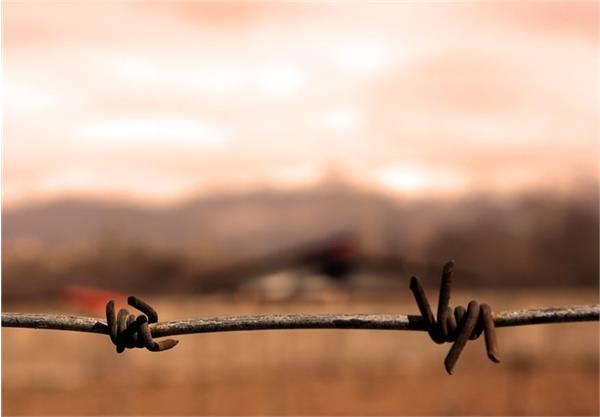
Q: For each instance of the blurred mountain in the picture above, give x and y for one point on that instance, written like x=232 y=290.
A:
x=235 y=223
x=535 y=238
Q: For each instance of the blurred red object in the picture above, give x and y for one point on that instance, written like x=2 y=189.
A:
x=89 y=299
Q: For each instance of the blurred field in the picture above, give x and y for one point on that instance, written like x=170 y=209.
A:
x=546 y=369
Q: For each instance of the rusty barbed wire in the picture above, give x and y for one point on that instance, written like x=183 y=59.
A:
x=128 y=331
x=458 y=326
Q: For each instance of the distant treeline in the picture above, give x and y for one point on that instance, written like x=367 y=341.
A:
x=537 y=238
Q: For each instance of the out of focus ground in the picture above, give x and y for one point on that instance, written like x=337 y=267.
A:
x=545 y=370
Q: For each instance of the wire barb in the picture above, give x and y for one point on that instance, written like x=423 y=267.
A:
x=127 y=331
x=458 y=327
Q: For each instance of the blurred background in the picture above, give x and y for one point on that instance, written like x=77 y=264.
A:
x=222 y=158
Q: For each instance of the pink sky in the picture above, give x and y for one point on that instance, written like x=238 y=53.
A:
x=157 y=101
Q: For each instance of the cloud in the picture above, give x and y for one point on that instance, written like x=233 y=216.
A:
x=577 y=19
x=207 y=90
x=150 y=131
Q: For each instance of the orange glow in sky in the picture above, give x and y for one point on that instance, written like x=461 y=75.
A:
x=159 y=101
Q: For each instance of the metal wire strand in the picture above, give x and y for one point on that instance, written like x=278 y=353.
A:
x=466 y=329
x=444 y=300
x=491 y=345
x=425 y=309
x=111 y=321
x=144 y=307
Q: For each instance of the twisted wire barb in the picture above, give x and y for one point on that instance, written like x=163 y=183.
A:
x=128 y=331
x=458 y=326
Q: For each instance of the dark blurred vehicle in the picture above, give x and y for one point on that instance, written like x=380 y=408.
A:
x=322 y=268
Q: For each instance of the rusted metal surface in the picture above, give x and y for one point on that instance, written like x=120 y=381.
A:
x=54 y=322
x=543 y=315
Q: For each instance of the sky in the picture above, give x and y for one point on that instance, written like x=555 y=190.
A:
x=158 y=102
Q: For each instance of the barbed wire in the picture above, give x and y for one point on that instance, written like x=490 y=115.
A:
x=458 y=326
x=566 y=314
